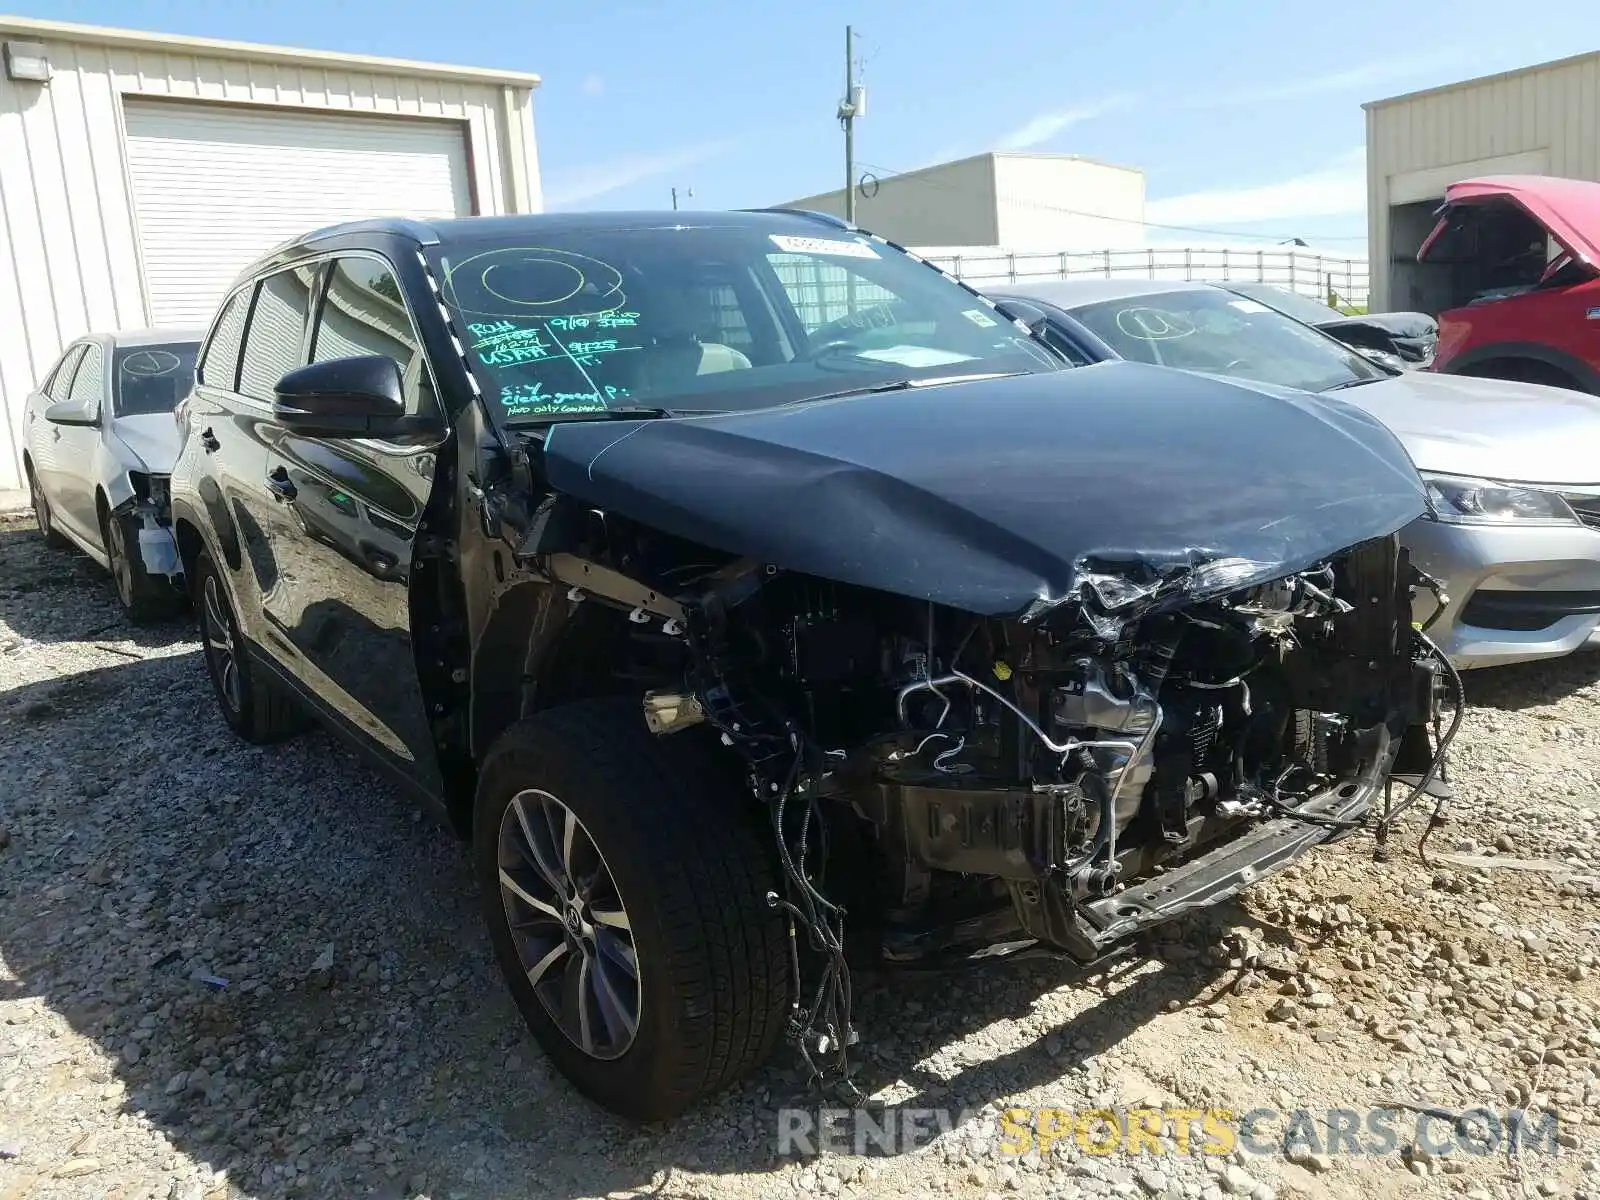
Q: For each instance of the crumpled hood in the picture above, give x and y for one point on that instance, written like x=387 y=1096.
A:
x=1491 y=428
x=146 y=442
x=1407 y=326
x=995 y=495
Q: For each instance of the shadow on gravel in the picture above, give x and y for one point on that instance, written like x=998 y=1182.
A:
x=50 y=595
x=283 y=966
x=1529 y=685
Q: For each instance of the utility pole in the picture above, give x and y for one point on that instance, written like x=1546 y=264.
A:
x=847 y=118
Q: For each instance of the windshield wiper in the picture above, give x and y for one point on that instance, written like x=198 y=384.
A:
x=631 y=413
x=902 y=385
x=1350 y=383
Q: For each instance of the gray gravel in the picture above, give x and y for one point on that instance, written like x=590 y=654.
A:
x=228 y=971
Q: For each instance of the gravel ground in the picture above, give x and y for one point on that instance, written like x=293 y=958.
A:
x=228 y=971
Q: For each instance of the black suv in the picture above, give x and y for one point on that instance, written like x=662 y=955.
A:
x=721 y=575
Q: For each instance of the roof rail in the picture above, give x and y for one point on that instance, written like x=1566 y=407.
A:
x=810 y=214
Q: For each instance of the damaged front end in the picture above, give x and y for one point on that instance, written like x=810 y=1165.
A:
x=147 y=513
x=966 y=768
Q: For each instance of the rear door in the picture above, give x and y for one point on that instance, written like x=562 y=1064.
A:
x=356 y=504
x=266 y=598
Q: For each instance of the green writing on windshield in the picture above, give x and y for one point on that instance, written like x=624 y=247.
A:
x=530 y=399
x=506 y=344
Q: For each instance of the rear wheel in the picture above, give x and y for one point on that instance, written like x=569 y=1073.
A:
x=624 y=882
x=42 y=514
x=143 y=596
x=254 y=706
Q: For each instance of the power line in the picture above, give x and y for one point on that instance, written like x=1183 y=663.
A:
x=891 y=173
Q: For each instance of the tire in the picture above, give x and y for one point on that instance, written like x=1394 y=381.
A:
x=41 y=514
x=678 y=851
x=254 y=706
x=144 y=597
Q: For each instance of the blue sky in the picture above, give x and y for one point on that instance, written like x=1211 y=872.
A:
x=1244 y=116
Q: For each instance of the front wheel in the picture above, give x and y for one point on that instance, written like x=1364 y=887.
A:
x=144 y=597
x=624 y=882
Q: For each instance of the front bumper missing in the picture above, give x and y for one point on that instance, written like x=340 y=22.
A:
x=1224 y=872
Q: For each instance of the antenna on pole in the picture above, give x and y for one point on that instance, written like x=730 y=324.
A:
x=852 y=106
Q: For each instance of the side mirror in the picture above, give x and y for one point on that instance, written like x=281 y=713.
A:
x=70 y=412
x=343 y=397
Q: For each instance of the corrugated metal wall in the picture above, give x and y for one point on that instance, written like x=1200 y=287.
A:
x=1545 y=119
x=951 y=204
x=69 y=252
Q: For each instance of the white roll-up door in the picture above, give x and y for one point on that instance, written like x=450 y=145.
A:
x=216 y=185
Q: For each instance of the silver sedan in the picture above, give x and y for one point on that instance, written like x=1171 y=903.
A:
x=99 y=441
x=1513 y=468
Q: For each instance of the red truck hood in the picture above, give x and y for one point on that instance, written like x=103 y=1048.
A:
x=1568 y=208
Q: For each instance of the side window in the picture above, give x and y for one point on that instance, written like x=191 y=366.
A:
x=89 y=384
x=61 y=381
x=277 y=327
x=220 y=366
x=363 y=312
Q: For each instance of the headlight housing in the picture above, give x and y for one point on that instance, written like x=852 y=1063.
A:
x=152 y=489
x=1465 y=501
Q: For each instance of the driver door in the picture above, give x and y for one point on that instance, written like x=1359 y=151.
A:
x=75 y=446
x=356 y=504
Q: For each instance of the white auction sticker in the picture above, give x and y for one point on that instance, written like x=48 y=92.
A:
x=978 y=317
x=806 y=245
x=1249 y=306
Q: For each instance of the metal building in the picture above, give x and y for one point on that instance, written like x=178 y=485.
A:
x=1015 y=201
x=1540 y=120
x=139 y=172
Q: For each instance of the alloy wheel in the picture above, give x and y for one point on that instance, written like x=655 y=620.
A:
x=573 y=936
x=220 y=650
x=41 y=506
x=121 y=565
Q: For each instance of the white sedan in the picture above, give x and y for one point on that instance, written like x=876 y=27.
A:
x=99 y=441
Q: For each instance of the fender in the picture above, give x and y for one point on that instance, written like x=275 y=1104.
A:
x=216 y=519
x=1586 y=376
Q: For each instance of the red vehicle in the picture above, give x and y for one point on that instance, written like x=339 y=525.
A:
x=1513 y=269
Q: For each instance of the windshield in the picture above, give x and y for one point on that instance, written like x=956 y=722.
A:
x=711 y=318
x=1291 y=304
x=1219 y=333
x=152 y=379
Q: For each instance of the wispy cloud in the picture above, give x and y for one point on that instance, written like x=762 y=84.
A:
x=1046 y=125
x=593 y=85
x=1339 y=189
x=1377 y=73
x=579 y=184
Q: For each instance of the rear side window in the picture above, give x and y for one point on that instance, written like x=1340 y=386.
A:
x=61 y=381
x=364 y=313
x=220 y=367
x=277 y=331
x=88 y=385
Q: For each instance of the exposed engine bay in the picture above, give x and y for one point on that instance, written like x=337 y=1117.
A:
x=945 y=786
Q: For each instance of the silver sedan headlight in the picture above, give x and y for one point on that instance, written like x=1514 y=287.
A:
x=1464 y=501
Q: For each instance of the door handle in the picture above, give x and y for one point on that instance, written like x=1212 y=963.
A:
x=208 y=441
x=280 y=485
